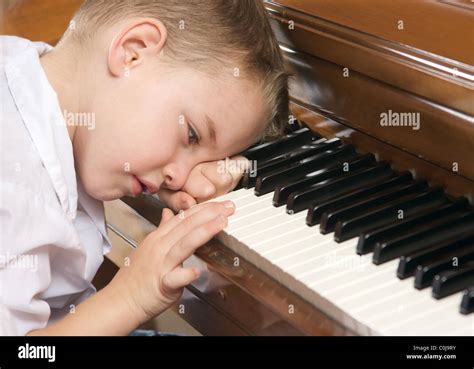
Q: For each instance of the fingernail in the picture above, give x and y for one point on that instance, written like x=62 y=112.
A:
x=229 y=204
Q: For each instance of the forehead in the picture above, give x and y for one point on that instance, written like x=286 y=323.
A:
x=236 y=105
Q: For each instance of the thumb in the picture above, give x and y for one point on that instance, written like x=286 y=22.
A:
x=177 y=200
x=179 y=278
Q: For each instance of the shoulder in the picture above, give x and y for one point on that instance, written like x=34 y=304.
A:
x=13 y=46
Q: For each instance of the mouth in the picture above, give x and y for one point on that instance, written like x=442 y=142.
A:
x=137 y=186
x=142 y=186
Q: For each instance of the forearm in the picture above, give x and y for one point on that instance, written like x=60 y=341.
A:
x=105 y=313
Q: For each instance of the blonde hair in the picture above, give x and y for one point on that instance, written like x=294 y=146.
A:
x=207 y=34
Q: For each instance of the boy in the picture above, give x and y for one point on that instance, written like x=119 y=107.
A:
x=169 y=88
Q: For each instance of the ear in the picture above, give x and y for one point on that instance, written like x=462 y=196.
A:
x=135 y=42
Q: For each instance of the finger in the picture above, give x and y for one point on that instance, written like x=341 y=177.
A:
x=166 y=215
x=186 y=246
x=198 y=186
x=225 y=177
x=225 y=208
x=179 y=278
x=243 y=164
x=221 y=182
x=189 y=224
x=177 y=200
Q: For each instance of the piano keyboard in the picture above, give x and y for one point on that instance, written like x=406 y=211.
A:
x=392 y=255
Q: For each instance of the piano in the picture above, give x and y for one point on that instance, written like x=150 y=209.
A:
x=360 y=220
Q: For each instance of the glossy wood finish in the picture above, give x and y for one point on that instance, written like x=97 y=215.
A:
x=445 y=81
x=441 y=27
x=401 y=160
x=382 y=76
x=37 y=20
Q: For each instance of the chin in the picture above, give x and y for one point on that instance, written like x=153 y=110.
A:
x=101 y=193
x=109 y=195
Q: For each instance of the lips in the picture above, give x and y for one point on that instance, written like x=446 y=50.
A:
x=137 y=186
x=150 y=187
x=140 y=186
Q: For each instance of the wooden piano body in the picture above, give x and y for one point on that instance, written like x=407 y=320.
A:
x=352 y=60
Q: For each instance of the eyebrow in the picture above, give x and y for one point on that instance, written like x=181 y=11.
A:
x=211 y=128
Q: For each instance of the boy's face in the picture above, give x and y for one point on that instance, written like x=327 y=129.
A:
x=156 y=124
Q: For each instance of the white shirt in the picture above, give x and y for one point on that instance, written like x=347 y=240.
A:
x=52 y=234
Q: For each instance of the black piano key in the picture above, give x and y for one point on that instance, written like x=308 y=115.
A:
x=328 y=176
x=445 y=249
x=467 y=302
x=317 y=208
x=293 y=154
x=452 y=281
x=330 y=218
x=359 y=165
x=284 y=144
x=367 y=240
x=267 y=182
x=293 y=126
x=313 y=148
x=284 y=159
x=303 y=199
x=419 y=239
x=388 y=213
x=426 y=272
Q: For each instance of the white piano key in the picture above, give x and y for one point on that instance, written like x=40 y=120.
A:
x=266 y=227
x=386 y=302
x=288 y=240
x=321 y=256
x=345 y=266
x=448 y=323
x=235 y=195
x=295 y=230
x=438 y=310
x=354 y=282
x=367 y=298
x=360 y=285
x=410 y=310
x=411 y=299
x=246 y=212
x=253 y=219
x=293 y=248
x=243 y=202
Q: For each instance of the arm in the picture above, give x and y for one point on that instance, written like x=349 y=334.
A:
x=108 y=312
x=154 y=279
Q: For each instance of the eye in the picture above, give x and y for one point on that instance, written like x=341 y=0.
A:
x=192 y=135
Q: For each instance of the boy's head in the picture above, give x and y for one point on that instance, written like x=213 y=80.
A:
x=171 y=84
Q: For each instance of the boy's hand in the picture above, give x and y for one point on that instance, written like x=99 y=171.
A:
x=155 y=277
x=206 y=181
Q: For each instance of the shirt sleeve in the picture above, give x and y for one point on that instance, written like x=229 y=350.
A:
x=31 y=232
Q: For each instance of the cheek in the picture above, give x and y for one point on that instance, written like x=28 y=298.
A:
x=150 y=147
x=93 y=165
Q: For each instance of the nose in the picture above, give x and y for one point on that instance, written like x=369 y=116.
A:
x=174 y=176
